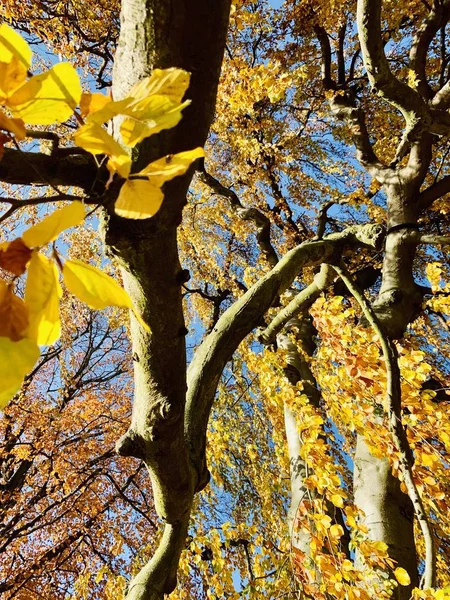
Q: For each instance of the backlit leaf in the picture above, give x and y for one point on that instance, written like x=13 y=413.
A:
x=50 y=227
x=95 y=288
x=401 y=575
x=142 y=198
x=42 y=294
x=50 y=97
x=16 y=360
x=14 y=256
x=91 y=103
x=12 y=75
x=96 y=140
x=13 y=45
x=15 y=126
x=150 y=116
x=13 y=314
x=171 y=166
x=139 y=199
x=172 y=83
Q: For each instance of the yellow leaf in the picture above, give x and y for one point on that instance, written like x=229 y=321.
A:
x=42 y=294
x=96 y=140
x=16 y=360
x=139 y=199
x=15 y=126
x=402 y=576
x=13 y=314
x=13 y=45
x=50 y=97
x=91 y=103
x=172 y=83
x=50 y=227
x=95 y=288
x=12 y=76
x=171 y=166
x=337 y=500
x=336 y=531
x=150 y=116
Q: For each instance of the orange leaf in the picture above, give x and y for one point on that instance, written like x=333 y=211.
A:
x=13 y=314
x=14 y=258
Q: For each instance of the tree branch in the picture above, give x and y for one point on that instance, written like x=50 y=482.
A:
x=394 y=413
x=241 y=318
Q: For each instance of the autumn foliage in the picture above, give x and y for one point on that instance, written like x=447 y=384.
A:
x=306 y=264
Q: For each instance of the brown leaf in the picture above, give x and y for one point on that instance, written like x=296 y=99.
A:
x=15 y=257
x=13 y=314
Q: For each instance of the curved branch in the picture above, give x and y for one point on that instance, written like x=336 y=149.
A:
x=421 y=43
x=242 y=317
x=247 y=214
x=303 y=300
x=383 y=82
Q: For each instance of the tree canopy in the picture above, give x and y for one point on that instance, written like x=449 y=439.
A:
x=270 y=185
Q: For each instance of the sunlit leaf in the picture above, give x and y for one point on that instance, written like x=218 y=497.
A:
x=401 y=575
x=42 y=294
x=91 y=103
x=50 y=227
x=96 y=140
x=95 y=288
x=15 y=126
x=50 y=97
x=13 y=45
x=14 y=256
x=16 y=360
x=171 y=166
x=172 y=83
x=13 y=314
x=12 y=76
x=139 y=199
x=150 y=116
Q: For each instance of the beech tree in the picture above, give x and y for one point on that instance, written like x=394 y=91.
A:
x=298 y=444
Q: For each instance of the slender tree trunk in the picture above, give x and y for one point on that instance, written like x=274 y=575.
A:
x=389 y=514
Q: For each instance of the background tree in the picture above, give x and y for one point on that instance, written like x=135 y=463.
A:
x=279 y=211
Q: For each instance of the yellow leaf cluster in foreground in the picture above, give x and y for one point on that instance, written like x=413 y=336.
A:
x=43 y=99
x=153 y=104
x=35 y=321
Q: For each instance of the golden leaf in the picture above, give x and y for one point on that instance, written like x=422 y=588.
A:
x=141 y=197
x=15 y=126
x=42 y=294
x=14 y=256
x=95 y=288
x=50 y=97
x=402 y=576
x=172 y=83
x=16 y=360
x=13 y=314
x=150 y=116
x=93 y=138
x=91 y=103
x=12 y=76
x=50 y=227
x=12 y=45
